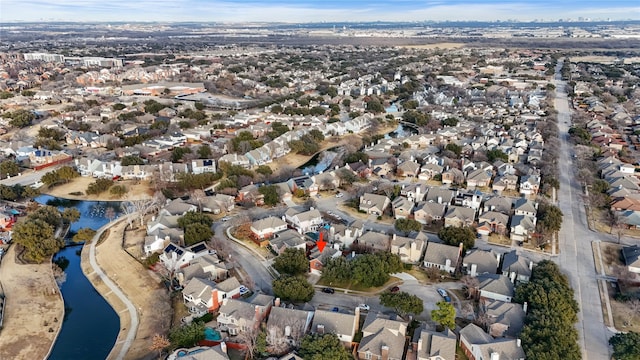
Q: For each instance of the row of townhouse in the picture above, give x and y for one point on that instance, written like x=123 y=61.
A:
x=113 y=169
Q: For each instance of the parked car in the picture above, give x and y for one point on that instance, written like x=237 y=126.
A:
x=364 y=307
x=328 y=290
x=444 y=294
x=243 y=290
x=339 y=195
x=394 y=289
x=335 y=309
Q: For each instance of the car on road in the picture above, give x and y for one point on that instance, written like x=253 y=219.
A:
x=328 y=290
x=339 y=195
x=394 y=289
x=444 y=294
x=364 y=307
x=226 y=218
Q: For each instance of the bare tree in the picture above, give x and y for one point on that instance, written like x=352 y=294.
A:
x=623 y=274
x=127 y=209
x=142 y=207
x=284 y=333
x=198 y=195
x=249 y=339
x=470 y=284
x=159 y=343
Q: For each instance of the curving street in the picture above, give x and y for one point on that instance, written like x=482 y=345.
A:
x=575 y=238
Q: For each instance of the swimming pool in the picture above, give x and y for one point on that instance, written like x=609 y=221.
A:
x=212 y=334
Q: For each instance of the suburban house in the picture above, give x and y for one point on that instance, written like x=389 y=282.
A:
x=529 y=185
x=236 y=316
x=494 y=221
x=459 y=216
x=345 y=235
x=501 y=204
x=414 y=192
x=177 y=207
x=174 y=257
x=444 y=257
x=374 y=240
x=198 y=296
x=374 y=204
x=433 y=345
x=507 y=319
x=496 y=287
x=522 y=227
x=317 y=259
x=305 y=221
x=382 y=338
x=428 y=212
x=408 y=169
x=505 y=182
x=478 y=345
x=516 y=267
x=410 y=250
x=440 y=196
x=343 y=325
x=265 y=228
x=631 y=255
x=287 y=325
x=523 y=206
x=401 y=207
x=288 y=239
x=453 y=176
x=208 y=266
x=480 y=262
x=478 y=178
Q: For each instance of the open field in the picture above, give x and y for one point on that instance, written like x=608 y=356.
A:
x=136 y=190
x=34 y=309
x=444 y=45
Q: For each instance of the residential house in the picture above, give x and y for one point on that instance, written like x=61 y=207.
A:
x=478 y=345
x=469 y=199
x=375 y=241
x=440 y=196
x=499 y=204
x=382 y=338
x=305 y=221
x=160 y=238
x=505 y=182
x=529 y=185
x=408 y=169
x=414 y=192
x=341 y=324
x=432 y=345
x=374 y=204
x=265 y=228
x=631 y=255
x=444 y=257
x=206 y=267
x=173 y=257
x=318 y=259
x=516 y=267
x=236 y=316
x=216 y=204
x=523 y=206
x=429 y=171
x=303 y=183
x=287 y=326
x=236 y=159
x=287 y=239
x=507 y=319
x=496 y=287
x=428 y=212
x=178 y=207
x=478 y=178
x=523 y=227
x=409 y=249
x=345 y=235
x=218 y=352
x=477 y=262
x=201 y=166
x=401 y=207
x=494 y=221
x=459 y=216
x=198 y=296
x=453 y=176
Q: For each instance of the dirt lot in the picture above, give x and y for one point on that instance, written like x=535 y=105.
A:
x=141 y=286
x=137 y=190
x=34 y=309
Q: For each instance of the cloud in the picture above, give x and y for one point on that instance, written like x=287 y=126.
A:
x=309 y=10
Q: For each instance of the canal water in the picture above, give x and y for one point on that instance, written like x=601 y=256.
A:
x=90 y=325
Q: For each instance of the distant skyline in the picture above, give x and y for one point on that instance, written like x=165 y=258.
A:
x=298 y=11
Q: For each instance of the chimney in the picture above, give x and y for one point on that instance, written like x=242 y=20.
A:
x=525 y=306
x=420 y=344
x=498 y=258
x=257 y=313
x=223 y=347
x=357 y=319
x=394 y=237
x=320 y=329
x=277 y=302
x=460 y=247
x=518 y=342
x=495 y=356
x=384 y=352
x=474 y=268
x=530 y=265
x=513 y=277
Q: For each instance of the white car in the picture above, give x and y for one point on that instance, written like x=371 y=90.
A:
x=364 y=307
x=339 y=195
x=243 y=290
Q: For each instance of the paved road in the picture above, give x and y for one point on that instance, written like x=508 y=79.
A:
x=133 y=328
x=576 y=255
x=27 y=178
x=244 y=258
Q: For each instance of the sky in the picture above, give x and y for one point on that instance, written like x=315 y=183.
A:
x=298 y=11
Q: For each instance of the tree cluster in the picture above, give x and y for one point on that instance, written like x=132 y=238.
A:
x=271 y=195
x=99 y=186
x=293 y=288
x=402 y=302
x=367 y=270
x=196 y=226
x=455 y=235
x=187 y=335
x=292 y=262
x=549 y=331
x=61 y=175
x=20 y=118
x=323 y=346
x=407 y=225
x=36 y=233
x=626 y=346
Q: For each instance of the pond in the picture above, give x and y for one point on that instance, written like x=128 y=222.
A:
x=90 y=325
x=402 y=131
